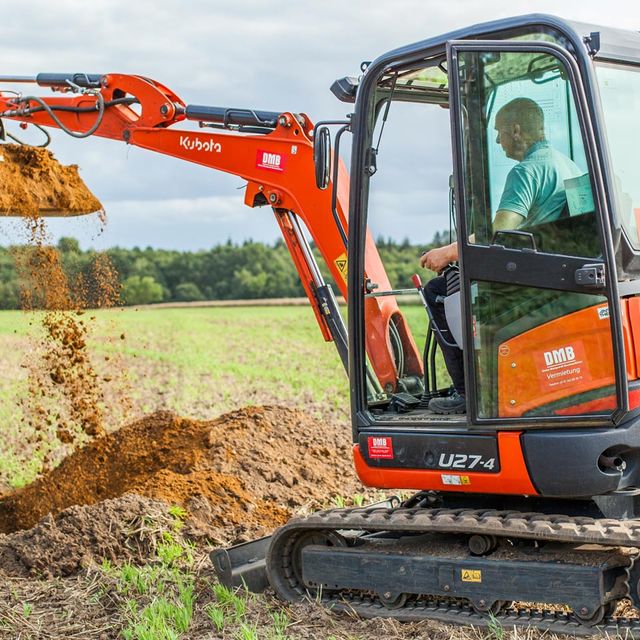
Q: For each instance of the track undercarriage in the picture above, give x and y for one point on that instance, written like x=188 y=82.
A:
x=566 y=574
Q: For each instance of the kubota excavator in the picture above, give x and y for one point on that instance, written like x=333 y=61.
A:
x=532 y=496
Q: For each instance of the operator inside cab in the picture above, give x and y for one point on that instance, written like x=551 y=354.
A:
x=534 y=193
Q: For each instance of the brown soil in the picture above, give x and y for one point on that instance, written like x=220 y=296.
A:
x=79 y=537
x=65 y=397
x=34 y=182
x=239 y=475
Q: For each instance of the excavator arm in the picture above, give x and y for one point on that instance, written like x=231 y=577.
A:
x=272 y=151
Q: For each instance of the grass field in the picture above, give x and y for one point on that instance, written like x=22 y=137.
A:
x=197 y=362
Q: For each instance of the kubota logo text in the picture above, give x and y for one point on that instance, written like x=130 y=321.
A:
x=195 y=144
x=559 y=356
x=270 y=160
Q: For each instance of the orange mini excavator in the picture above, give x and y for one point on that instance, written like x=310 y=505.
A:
x=534 y=494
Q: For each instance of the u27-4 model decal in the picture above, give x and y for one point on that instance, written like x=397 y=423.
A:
x=465 y=461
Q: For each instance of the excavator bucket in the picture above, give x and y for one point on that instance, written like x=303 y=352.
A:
x=33 y=184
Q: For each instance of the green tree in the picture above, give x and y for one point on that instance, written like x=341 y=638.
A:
x=68 y=245
x=141 y=290
x=188 y=292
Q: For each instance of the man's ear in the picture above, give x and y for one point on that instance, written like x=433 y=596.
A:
x=516 y=131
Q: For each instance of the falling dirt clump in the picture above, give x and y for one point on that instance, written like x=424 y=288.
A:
x=35 y=183
x=64 y=398
x=128 y=528
x=239 y=475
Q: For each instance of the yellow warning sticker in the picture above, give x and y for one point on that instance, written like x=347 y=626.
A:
x=471 y=575
x=341 y=265
x=465 y=479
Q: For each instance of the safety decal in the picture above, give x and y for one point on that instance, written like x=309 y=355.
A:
x=603 y=313
x=380 y=447
x=562 y=366
x=471 y=575
x=341 y=266
x=271 y=161
x=455 y=479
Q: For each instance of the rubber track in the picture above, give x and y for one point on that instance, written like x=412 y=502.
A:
x=514 y=524
x=532 y=526
x=542 y=619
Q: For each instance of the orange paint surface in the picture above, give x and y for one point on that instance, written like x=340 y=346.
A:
x=562 y=358
x=512 y=479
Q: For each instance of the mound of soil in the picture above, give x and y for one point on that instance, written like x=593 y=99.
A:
x=34 y=182
x=127 y=528
x=239 y=475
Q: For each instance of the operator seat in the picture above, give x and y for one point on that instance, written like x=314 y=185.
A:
x=452 y=303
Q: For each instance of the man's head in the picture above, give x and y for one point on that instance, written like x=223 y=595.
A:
x=520 y=123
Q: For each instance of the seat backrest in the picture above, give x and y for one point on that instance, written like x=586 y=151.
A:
x=453 y=312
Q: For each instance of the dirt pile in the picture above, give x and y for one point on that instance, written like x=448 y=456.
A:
x=128 y=528
x=34 y=183
x=239 y=475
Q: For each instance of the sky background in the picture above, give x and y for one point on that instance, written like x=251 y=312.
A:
x=279 y=56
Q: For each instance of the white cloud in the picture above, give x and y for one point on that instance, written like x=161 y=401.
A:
x=280 y=55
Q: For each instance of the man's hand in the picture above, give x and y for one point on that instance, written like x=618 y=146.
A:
x=438 y=259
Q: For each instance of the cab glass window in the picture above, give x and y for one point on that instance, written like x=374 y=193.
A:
x=620 y=95
x=527 y=183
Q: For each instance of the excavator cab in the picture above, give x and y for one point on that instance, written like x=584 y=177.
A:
x=550 y=306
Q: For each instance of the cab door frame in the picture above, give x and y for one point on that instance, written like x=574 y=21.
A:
x=499 y=264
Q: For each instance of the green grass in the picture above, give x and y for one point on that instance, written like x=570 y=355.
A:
x=250 y=349
x=160 y=595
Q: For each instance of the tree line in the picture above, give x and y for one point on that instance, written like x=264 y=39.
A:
x=229 y=271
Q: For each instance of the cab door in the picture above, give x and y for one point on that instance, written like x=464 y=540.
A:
x=543 y=340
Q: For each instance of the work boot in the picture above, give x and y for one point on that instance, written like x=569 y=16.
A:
x=455 y=403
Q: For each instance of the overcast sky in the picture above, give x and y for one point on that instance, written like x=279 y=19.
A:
x=248 y=53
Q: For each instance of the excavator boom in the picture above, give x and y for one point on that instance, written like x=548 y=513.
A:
x=272 y=151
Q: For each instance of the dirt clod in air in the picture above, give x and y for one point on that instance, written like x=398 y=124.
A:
x=238 y=476
x=34 y=182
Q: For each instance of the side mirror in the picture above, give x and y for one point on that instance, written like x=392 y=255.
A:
x=322 y=156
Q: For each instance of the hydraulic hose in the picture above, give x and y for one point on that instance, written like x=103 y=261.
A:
x=74 y=134
x=100 y=107
x=22 y=142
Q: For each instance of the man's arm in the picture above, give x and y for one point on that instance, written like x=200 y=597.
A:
x=438 y=259
x=506 y=219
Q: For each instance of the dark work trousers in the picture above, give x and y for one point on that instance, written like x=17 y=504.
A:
x=435 y=291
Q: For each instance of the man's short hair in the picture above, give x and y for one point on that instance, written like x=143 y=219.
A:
x=526 y=113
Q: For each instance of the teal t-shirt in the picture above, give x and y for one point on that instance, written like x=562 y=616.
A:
x=535 y=187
